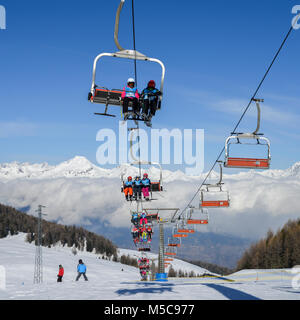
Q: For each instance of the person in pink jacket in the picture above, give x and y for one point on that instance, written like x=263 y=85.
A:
x=130 y=93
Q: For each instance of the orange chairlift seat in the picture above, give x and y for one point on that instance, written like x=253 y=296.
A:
x=213 y=196
x=105 y=96
x=238 y=138
x=178 y=235
x=197 y=216
x=170 y=251
x=183 y=227
x=174 y=242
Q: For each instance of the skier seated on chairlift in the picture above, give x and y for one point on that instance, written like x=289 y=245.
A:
x=144 y=235
x=135 y=234
x=135 y=218
x=146 y=184
x=130 y=93
x=143 y=219
x=150 y=98
x=149 y=231
x=137 y=188
x=128 y=191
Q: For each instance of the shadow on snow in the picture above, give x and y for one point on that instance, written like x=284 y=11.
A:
x=146 y=287
x=232 y=294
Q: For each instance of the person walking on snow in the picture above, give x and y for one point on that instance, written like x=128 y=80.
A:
x=81 y=270
x=60 y=273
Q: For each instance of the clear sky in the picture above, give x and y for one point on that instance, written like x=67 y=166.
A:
x=215 y=53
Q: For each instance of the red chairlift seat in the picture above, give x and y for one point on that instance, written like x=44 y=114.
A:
x=248 y=163
x=213 y=196
x=197 y=216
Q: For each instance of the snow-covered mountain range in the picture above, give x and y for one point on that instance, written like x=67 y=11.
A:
x=81 y=167
x=79 y=192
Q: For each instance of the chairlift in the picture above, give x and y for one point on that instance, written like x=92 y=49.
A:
x=184 y=227
x=213 y=196
x=103 y=95
x=238 y=138
x=174 y=242
x=197 y=216
x=168 y=259
x=170 y=251
x=179 y=235
x=156 y=186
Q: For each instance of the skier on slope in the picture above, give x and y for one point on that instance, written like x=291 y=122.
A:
x=60 y=273
x=81 y=270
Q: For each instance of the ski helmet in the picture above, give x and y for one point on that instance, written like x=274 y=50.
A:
x=129 y=178
x=151 y=84
x=130 y=80
x=145 y=175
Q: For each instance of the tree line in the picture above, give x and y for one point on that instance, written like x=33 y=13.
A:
x=13 y=221
x=275 y=251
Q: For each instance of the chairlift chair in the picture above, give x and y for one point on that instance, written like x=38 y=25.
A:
x=184 y=227
x=176 y=234
x=103 y=95
x=237 y=138
x=197 y=216
x=170 y=251
x=156 y=186
x=213 y=196
x=174 y=242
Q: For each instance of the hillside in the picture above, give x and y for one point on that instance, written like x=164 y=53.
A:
x=109 y=280
x=279 y=250
x=13 y=221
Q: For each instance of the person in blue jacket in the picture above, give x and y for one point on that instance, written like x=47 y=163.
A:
x=137 y=188
x=81 y=269
x=135 y=218
x=150 y=98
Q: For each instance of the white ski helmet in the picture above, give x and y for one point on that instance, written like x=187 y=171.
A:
x=130 y=80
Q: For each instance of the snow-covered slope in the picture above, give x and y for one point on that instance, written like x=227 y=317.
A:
x=112 y=281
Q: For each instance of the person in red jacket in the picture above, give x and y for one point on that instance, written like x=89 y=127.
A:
x=60 y=273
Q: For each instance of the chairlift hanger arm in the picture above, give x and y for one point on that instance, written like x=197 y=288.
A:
x=126 y=54
x=219 y=183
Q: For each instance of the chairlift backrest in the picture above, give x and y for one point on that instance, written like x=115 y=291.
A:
x=123 y=54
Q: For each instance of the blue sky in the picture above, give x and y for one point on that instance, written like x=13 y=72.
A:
x=215 y=53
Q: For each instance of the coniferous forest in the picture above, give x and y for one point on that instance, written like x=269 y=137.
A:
x=13 y=221
x=279 y=250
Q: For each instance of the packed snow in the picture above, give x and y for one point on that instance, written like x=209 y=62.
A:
x=114 y=281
